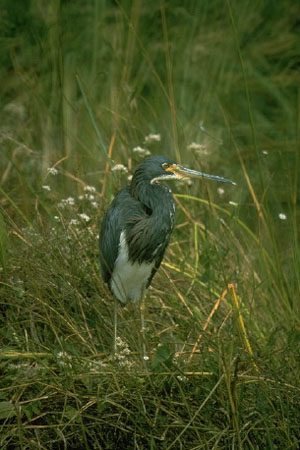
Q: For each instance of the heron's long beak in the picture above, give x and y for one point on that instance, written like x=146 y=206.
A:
x=182 y=171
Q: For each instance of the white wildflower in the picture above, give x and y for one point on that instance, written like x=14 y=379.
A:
x=66 y=202
x=86 y=197
x=119 y=168
x=120 y=342
x=233 y=203
x=122 y=353
x=182 y=378
x=91 y=189
x=152 y=137
x=221 y=191
x=129 y=178
x=282 y=216
x=122 y=348
x=265 y=152
x=64 y=359
x=74 y=222
x=52 y=171
x=196 y=146
x=69 y=201
x=26 y=369
x=63 y=355
x=56 y=218
x=16 y=337
x=15 y=108
x=96 y=366
x=84 y=217
x=126 y=363
x=94 y=204
x=141 y=151
x=46 y=188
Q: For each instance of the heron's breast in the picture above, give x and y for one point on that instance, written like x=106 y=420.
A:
x=129 y=278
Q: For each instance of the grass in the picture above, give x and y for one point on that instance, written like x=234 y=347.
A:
x=84 y=83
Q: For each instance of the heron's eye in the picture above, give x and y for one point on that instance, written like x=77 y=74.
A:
x=165 y=165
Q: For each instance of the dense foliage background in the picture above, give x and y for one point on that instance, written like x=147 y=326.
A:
x=86 y=85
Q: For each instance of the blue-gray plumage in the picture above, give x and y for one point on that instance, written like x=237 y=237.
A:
x=136 y=228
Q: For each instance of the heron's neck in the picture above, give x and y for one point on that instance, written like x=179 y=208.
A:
x=157 y=199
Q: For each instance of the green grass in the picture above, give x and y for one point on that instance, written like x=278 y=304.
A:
x=83 y=80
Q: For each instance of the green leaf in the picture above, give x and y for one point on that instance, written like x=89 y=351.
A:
x=162 y=358
x=7 y=410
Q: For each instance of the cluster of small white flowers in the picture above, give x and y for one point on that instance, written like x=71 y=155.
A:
x=233 y=203
x=19 y=365
x=182 y=378
x=66 y=202
x=119 y=168
x=196 y=146
x=56 y=218
x=52 y=171
x=220 y=191
x=96 y=366
x=74 y=222
x=120 y=344
x=84 y=217
x=26 y=369
x=16 y=337
x=89 y=195
x=46 y=188
x=86 y=197
x=64 y=359
x=282 y=216
x=152 y=137
x=129 y=178
x=141 y=151
x=122 y=353
x=91 y=189
x=69 y=201
x=15 y=108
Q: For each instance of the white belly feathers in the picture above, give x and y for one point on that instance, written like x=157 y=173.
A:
x=129 y=279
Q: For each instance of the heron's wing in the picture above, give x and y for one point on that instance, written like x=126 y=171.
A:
x=109 y=239
x=158 y=261
x=147 y=237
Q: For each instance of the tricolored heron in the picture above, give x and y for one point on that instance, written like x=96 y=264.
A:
x=136 y=229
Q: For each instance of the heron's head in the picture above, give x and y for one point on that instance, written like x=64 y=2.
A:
x=159 y=168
